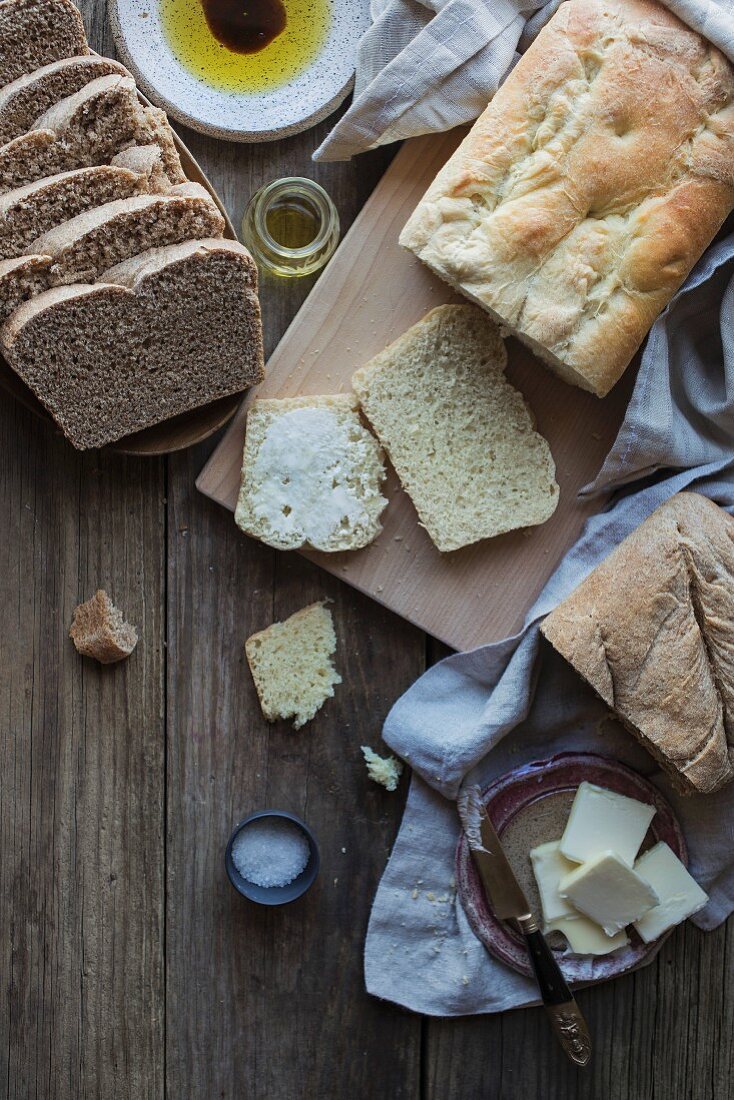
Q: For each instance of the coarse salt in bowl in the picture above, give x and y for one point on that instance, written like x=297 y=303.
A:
x=272 y=857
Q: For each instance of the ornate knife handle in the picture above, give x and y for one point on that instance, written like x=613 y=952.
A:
x=566 y=1019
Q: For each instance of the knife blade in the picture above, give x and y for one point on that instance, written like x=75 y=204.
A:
x=507 y=899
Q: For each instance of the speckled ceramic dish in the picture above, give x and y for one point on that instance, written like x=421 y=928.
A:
x=530 y=805
x=240 y=97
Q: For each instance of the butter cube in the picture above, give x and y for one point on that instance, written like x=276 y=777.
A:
x=609 y=891
x=679 y=893
x=585 y=937
x=549 y=867
x=603 y=821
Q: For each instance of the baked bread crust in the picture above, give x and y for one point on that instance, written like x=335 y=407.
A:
x=652 y=631
x=588 y=189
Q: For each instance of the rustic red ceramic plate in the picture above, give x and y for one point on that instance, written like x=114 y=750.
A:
x=526 y=807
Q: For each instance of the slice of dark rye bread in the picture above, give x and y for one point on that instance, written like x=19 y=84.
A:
x=27 y=98
x=87 y=129
x=165 y=332
x=28 y=212
x=34 y=33
x=20 y=279
x=80 y=250
x=83 y=248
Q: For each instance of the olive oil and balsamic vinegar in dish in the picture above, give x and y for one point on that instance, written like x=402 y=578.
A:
x=245 y=46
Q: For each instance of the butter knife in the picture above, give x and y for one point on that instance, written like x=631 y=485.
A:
x=509 y=903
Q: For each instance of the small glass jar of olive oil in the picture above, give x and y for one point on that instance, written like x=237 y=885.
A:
x=291 y=227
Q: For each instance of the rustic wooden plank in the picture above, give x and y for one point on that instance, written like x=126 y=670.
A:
x=271 y=1004
x=663 y=1032
x=81 y=774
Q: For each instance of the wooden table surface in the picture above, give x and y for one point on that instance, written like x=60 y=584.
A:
x=129 y=967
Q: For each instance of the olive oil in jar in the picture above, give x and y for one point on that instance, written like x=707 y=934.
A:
x=291 y=227
x=245 y=46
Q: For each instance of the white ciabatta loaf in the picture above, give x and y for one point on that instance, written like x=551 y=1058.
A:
x=652 y=631
x=27 y=98
x=460 y=437
x=311 y=475
x=36 y=32
x=100 y=238
x=30 y=211
x=592 y=183
x=86 y=129
x=164 y=332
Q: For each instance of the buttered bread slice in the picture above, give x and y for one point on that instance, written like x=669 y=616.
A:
x=460 y=437
x=165 y=332
x=311 y=475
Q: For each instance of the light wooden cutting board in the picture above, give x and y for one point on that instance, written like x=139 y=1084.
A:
x=371 y=292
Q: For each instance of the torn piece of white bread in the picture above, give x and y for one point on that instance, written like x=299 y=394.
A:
x=292 y=665
x=461 y=438
x=385 y=770
x=311 y=475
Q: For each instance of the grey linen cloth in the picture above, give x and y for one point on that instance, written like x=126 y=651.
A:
x=429 y=65
x=476 y=716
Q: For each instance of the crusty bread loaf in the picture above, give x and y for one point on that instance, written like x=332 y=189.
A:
x=35 y=33
x=99 y=630
x=587 y=190
x=652 y=631
x=292 y=665
x=165 y=332
x=86 y=129
x=20 y=279
x=311 y=475
x=102 y=237
x=459 y=435
x=27 y=98
x=30 y=211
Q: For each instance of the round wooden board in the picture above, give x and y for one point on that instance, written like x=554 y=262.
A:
x=181 y=431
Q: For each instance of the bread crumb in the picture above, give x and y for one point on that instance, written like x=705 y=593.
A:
x=414 y=894
x=464 y=979
x=291 y=664
x=383 y=770
x=99 y=630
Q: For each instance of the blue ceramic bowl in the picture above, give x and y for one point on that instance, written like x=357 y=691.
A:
x=273 y=895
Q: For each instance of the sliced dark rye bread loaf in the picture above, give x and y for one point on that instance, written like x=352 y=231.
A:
x=34 y=33
x=87 y=129
x=28 y=212
x=21 y=279
x=167 y=331
x=31 y=95
x=81 y=249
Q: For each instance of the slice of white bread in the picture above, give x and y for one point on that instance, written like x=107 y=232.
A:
x=292 y=666
x=86 y=129
x=460 y=437
x=34 y=33
x=100 y=238
x=20 y=279
x=311 y=475
x=27 y=98
x=99 y=630
x=28 y=212
x=165 y=332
